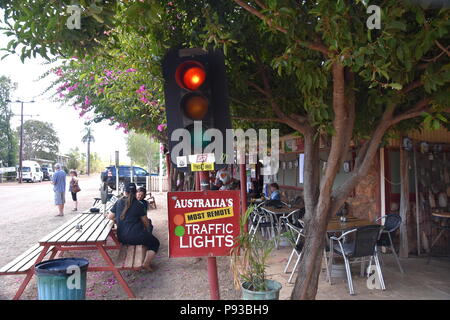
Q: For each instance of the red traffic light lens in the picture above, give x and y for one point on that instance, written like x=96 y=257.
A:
x=190 y=75
x=194 y=77
x=195 y=106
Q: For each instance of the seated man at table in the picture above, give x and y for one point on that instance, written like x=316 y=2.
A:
x=133 y=225
x=274 y=191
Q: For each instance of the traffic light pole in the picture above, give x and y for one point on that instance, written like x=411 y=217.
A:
x=202 y=183
x=243 y=176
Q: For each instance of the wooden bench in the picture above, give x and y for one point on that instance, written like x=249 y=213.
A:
x=132 y=257
x=23 y=263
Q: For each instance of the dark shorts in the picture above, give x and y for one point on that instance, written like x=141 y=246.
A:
x=74 y=196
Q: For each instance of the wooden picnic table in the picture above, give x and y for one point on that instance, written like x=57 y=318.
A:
x=93 y=234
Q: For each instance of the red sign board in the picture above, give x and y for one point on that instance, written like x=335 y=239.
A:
x=203 y=223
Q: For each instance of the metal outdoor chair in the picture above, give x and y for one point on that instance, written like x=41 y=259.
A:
x=391 y=223
x=363 y=245
x=263 y=221
x=298 y=231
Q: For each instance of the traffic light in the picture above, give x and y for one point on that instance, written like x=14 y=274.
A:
x=196 y=97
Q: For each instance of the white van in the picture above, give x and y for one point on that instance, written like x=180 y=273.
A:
x=31 y=172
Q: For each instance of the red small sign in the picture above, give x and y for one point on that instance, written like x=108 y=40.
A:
x=203 y=223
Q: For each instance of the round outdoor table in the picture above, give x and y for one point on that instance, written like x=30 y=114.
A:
x=443 y=228
x=335 y=225
x=441 y=214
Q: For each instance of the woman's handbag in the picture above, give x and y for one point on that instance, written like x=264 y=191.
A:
x=76 y=188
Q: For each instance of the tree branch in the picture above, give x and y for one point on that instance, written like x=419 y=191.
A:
x=442 y=47
x=417 y=110
x=411 y=86
x=313 y=46
x=259 y=119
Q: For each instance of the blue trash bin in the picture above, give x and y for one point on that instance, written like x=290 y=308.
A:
x=62 y=279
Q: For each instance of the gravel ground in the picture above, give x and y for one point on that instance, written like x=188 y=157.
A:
x=26 y=219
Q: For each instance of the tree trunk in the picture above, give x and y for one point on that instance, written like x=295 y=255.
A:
x=319 y=196
x=404 y=202
x=316 y=221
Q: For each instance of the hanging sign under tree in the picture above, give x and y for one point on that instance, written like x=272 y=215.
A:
x=203 y=223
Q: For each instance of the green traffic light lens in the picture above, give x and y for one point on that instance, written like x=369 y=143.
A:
x=198 y=138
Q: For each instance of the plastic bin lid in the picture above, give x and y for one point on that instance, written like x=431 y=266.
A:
x=59 y=266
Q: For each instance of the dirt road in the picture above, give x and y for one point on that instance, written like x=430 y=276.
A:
x=27 y=214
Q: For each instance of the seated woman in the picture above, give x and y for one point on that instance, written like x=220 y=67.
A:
x=130 y=216
x=254 y=192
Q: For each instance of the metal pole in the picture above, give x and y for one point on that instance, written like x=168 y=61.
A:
x=417 y=201
x=243 y=174
x=203 y=183
x=21 y=143
x=160 y=167
x=169 y=174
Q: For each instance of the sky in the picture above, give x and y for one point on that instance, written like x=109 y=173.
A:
x=64 y=118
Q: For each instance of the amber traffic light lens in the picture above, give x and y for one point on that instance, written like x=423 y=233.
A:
x=195 y=107
x=190 y=75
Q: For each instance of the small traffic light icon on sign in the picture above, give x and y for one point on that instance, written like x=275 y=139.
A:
x=196 y=98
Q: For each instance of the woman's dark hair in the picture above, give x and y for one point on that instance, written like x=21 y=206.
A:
x=74 y=172
x=275 y=185
x=129 y=201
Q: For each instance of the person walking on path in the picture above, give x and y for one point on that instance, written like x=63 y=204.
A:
x=59 y=188
x=74 y=188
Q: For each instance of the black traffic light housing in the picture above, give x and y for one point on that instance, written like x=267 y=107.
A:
x=195 y=89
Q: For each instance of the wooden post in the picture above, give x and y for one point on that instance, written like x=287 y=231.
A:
x=404 y=202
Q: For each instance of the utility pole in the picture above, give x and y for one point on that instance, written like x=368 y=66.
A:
x=21 y=135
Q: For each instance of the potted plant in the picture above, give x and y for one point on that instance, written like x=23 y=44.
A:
x=248 y=264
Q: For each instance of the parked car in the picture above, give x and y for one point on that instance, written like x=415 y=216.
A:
x=31 y=172
x=47 y=172
x=139 y=176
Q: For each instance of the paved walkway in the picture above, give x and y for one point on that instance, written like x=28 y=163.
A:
x=420 y=281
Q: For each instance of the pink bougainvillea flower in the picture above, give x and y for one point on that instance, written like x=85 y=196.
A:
x=130 y=70
x=108 y=73
x=141 y=89
x=59 y=72
x=87 y=101
x=144 y=100
x=61 y=95
x=161 y=127
x=72 y=88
